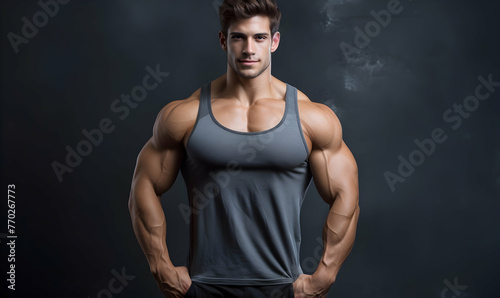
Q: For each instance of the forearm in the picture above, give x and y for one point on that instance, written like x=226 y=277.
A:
x=148 y=220
x=338 y=239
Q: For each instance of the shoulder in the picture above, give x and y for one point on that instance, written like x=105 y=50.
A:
x=180 y=110
x=175 y=119
x=319 y=123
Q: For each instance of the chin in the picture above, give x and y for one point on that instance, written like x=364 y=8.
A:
x=247 y=73
x=250 y=74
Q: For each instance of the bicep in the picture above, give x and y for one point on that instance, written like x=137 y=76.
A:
x=335 y=175
x=156 y=169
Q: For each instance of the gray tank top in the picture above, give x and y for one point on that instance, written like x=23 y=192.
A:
x=245 y=191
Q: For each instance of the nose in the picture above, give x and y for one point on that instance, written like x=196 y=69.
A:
x=249 y=48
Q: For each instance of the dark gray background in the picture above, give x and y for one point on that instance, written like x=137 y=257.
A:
x=440 y=224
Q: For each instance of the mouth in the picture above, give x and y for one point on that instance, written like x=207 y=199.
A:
x=247 y=62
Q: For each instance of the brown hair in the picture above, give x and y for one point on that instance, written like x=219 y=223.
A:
x=234 y=10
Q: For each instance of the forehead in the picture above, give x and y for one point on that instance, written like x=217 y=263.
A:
x=253 y=25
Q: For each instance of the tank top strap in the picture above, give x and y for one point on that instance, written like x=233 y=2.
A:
x=291 y=107
x=205 y=98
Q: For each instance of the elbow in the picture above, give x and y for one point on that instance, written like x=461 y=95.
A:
x=130 y=205
x=131 y=202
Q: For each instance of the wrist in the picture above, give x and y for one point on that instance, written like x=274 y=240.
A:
x=325 y=274
x=162 y=270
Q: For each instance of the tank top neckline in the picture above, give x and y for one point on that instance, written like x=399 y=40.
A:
x=208 y=102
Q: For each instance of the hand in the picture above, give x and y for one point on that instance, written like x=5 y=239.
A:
x=174 y=282
x=310 y=286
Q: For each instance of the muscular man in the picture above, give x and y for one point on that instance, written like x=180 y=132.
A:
x=247 y=145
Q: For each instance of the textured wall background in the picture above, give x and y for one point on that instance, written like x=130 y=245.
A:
x=426 y=230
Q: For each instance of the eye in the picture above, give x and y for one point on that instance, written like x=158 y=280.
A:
x=236 y=36
x=261 y=37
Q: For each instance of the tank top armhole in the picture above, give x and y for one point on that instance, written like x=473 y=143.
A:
x=299 y=125
x=198 y=115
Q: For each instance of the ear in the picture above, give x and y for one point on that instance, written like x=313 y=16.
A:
x=276 y=42
x=223 y=41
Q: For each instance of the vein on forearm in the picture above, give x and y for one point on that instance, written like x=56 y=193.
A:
x=338 y=238
x=150 y=226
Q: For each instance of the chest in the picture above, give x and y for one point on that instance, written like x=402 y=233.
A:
x=214 y=145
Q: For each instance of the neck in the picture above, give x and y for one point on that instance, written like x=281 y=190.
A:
x=247 y=91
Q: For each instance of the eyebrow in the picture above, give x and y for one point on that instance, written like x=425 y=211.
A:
x=256 y=34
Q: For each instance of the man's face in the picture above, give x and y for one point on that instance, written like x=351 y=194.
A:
x=249 y=45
